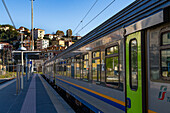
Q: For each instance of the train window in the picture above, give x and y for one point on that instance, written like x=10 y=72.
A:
x=165 y=57
x=68 y=68
x=112 y=50
x=73 y=67
x=166 y=38
x=65 y=68
x=78 y=67
x=112 y=66
x=78 y=59
x=96 y=54
x=60 y=68
x=86 y=57
x=57 y=69
x=160 y=56
x=96 y=75
x=165 y=63
x=133 y=64
x=96 y=69
x=85 y=75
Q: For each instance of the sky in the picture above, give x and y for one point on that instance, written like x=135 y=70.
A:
x=53 y=15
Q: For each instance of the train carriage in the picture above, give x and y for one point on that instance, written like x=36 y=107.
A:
x=123 y=65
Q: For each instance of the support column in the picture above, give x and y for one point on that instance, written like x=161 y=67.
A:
x=26 y=60
x=19 y=78
x=17 y=84
x=30 y=68
x=22 y=69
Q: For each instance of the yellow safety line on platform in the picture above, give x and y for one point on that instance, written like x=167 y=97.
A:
x=150 y=111
x=102 y=95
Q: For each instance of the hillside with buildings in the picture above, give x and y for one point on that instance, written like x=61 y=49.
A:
x=8 y=34
x=49 y=44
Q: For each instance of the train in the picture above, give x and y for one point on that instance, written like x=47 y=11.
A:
x=123 y=65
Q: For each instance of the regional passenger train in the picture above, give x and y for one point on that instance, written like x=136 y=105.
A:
x=123 y=65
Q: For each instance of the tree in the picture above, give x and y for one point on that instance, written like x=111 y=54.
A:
x=8 y=35
x=69 y=33
x=60 y=33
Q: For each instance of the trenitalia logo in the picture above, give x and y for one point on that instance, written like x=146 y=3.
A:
x=162 y=92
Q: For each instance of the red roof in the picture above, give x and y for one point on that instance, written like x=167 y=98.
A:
x=47 y=34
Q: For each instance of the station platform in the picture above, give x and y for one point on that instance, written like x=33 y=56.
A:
x=36 y=97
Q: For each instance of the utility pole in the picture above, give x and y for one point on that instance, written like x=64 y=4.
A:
x=32 y=25
x=32 y=29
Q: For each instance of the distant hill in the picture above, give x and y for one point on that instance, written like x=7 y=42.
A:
x=8 y=35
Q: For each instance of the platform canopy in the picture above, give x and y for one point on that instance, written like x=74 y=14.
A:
x=34 y=55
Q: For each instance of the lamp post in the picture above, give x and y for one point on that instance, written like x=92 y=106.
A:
x=22 y=61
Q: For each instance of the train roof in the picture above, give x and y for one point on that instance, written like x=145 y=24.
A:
x=134 y=12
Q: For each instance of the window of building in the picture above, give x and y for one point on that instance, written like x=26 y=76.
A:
x=96 y=72
x=112 y=66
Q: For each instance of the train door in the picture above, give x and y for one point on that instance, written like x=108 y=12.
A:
x=134 y=85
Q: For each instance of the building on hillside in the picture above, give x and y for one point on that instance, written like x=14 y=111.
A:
x=55 y=36
x=15 y=42
x=5 y=28
x=68 y=43
x=20 y=35
x=6 y=55
x=3 y=48
x=76 y=38
x=38 y=65
x=23 y=31
x=2 y=44
x=27 y=44
x=50 y=52
x=59 y=42
x=38 y=33
x=49 y=36
x=62 y=41
x=42 y=43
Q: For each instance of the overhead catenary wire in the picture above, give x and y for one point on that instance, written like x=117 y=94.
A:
x=85 y=15
x=96 y=16
x=8 y=13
